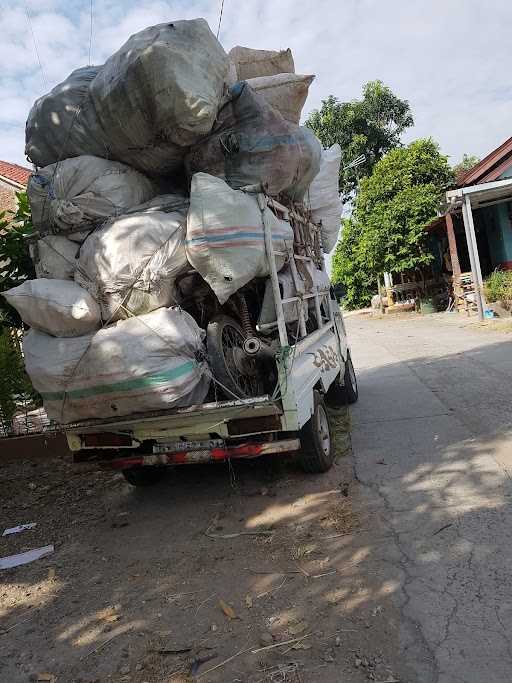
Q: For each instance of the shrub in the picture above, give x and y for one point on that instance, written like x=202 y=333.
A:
x=498 y=286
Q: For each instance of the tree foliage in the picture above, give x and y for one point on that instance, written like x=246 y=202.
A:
x=16 y=392
x=465 y=165
x=370 y=126
x=387 y=230
x=15 y=263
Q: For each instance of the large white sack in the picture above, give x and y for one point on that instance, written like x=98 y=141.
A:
x=225 y=237
x=131 y=262
x=82 y=192
x=323 y=197
x=63 y=122
x=146 y=363
x=251 y=63
x=285 y=92
x=58 y=307
x=161 y=88
x=54 y=257
x=252 y=144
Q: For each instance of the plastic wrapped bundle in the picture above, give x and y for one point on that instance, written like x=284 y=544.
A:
x=82 y=192
x=58 y=307
x=252 y=144
x=63 y=122
x=225 y=236
x=323 y=197
x=160 y=92
x=285 y=92
x=130 y=264
x=250 y=63
x=150 y=362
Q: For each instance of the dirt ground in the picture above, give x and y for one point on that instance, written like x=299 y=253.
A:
x=250 y=572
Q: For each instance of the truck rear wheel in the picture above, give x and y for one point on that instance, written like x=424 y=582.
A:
x=143 y=475
x=317 y=452
x=344 y=390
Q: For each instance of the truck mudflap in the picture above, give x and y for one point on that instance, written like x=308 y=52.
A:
x=218 y=454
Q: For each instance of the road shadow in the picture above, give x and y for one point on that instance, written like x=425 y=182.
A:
x=216 y=563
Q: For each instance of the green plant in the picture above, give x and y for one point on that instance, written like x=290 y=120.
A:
x=350 y=269
x=498 y=286
x=15 y=263
x=16 y=391
x=370 y=126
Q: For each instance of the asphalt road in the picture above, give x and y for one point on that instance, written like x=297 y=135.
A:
x=432 y=443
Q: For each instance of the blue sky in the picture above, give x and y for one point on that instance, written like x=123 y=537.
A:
x=450 y=58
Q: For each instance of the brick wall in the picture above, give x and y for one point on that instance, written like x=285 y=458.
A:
x=7 y=197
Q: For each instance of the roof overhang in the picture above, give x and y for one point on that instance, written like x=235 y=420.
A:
x=13 y=183
x=482 y=194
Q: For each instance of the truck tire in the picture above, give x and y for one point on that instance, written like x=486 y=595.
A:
x=317 y=452
x=344 y=391
x=143 y=475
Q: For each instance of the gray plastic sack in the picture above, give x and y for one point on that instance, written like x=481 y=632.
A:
x=160 y=92
x=147 y=363
x=252 y=144
x=225 y=236
x=251 y=63
x=63 y=122
x=58 y=307
x=82 y=192
x=130 y=264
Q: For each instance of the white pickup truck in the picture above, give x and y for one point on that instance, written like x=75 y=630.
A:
x=270 y=380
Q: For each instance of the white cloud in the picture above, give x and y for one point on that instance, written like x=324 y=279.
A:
x=451 y=60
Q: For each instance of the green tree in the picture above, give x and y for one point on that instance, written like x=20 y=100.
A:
x=15 y=263
x=467 y=163
x=393 y=207
x=16 y=392
x=350 y=270
x=370 y=126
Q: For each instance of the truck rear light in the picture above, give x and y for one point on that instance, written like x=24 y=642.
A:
x=108 y=440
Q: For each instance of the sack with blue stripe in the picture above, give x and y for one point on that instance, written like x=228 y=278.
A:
x=225 y=237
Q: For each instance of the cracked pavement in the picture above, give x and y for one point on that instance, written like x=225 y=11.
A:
x=432 y=443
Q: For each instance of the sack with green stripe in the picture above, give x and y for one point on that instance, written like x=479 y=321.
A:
x=146 y=363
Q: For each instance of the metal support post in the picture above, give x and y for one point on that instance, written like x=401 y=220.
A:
x=476 y=272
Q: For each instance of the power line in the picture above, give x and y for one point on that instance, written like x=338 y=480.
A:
x=29 y=20
x=90 y=34
x=220 y=18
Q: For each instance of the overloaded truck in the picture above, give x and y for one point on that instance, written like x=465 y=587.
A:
x=182 y=312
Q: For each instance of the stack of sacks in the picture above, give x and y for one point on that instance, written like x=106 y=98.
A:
x=155 y=96
x=113 y=143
